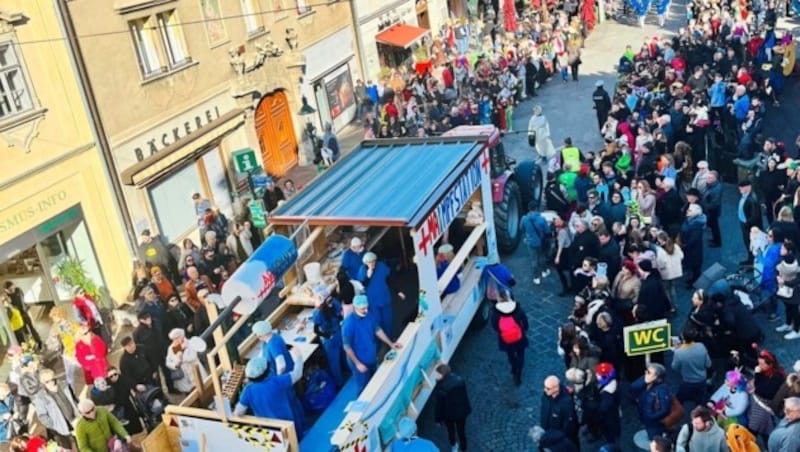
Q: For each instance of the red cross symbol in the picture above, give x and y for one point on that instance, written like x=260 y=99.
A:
x=485 y=162
x=428 y=231
x=359 y=448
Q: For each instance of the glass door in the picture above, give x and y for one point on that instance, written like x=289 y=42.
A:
x=53 y=251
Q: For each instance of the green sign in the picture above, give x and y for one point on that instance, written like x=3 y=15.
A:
x=244 y=160
x=649 y=337
x=59 y=220
x=257 y=213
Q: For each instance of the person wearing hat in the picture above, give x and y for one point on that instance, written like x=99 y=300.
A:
x=87 y=312
x=602 y=103
x=407 y=440
x=748 y=212
x=536 y=235
x=603 y=416
x=352 y=258
x=182 y=356
x=511 y=323
x=699 y=182
x=539 y=135
x=96 y=426
x=269 y=395
x=273 y=347
x=327 y=318
x=374 y=275
x=359 y=331
x=651 y=293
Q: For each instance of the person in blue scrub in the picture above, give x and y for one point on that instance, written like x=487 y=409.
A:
x=407 y=440
x=375 y=277
x=444 y=256
x=351 y=258
x=359 y=331
x=327 y=319
x=270 y=396
x=273 y=348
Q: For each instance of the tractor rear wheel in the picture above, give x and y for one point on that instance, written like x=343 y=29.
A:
x=506 y=218
x=529 y=178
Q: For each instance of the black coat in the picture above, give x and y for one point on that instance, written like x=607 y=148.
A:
x=583 y=245
x=152 y=343
x=610 y=254
x=522 y=321
x=452 y=401
x=653 y=297
x=558 y=414
x=668 y=209
x=136 y=367
x=752 y=211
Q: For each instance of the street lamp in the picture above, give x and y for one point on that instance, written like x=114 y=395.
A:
x=307 y=111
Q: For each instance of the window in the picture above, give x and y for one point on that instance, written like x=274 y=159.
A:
x=15 y=97
x=252 y=17
x=146 y=51
x=172 y=204
x=155 y=59
x=302 y=7
x=172 y=37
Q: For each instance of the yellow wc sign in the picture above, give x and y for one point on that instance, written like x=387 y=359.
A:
x=649 y=337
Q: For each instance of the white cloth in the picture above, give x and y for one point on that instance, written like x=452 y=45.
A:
x=185 y=361
x=669 y=265
x=544 y=145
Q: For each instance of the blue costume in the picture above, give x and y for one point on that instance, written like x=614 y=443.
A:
x=379 y=295
x=274 y=348
x=274 y=398
x=351 y=262
x=328 y=329
x=358 y=335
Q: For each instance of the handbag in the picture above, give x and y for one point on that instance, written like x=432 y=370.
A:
x=176 y=374
x=675 y=413
x=532 y=139
x=785 y=291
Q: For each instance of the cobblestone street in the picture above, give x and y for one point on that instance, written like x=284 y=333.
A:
x=503 y=413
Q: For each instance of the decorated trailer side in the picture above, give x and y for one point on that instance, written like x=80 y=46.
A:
x=403 y=199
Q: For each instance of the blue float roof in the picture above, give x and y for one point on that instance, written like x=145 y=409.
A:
x=383 y=182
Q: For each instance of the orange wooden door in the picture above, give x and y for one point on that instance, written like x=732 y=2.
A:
x=276 y=134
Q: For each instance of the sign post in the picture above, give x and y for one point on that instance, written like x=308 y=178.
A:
x=646 y=338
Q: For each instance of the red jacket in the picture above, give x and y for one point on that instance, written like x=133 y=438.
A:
x=85 y=312
x=92 y=358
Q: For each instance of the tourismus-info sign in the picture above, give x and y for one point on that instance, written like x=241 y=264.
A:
x=648 y=337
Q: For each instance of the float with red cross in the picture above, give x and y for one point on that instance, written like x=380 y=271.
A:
x=425 y=208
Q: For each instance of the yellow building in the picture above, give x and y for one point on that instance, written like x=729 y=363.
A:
x=55 y=197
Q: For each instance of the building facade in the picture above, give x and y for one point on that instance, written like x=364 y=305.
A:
x=55 y=198
x=182 y=85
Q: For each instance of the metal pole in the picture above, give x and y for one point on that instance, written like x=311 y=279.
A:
x=218 y=321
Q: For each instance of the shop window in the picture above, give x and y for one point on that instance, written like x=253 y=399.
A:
x=147 y=31
x=15 y=97
x=172 y=204
x=252 y=17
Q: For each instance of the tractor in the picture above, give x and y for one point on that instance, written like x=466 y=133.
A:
x=514 y=186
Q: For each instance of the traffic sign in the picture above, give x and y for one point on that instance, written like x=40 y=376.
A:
x=646 y=338
x=257 y=214
x=244 y=160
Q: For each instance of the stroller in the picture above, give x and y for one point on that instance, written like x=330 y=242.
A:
x=150 y=404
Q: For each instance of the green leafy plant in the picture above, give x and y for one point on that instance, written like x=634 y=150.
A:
x=72 y=274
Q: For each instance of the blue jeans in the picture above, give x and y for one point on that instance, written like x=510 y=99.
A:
x=537 y=260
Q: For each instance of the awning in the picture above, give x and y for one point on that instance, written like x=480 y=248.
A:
x=185 y=149
x=401 y=35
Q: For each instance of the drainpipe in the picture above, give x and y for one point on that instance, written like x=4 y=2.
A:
x=98 y=130
x=359 y=40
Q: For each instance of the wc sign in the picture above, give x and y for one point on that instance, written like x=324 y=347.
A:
x=645 y=338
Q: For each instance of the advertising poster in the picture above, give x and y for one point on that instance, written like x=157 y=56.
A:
x=339 y=90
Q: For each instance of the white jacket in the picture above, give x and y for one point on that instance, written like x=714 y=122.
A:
x=669 y=265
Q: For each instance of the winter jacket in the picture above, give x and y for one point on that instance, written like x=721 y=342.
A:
x=535 y=229
x=717 y=95
x=93 y=435
x=711 y=440
x=692 y=241
x=789 y=273
x=653 y=401
x=558 y=413
x=452 y=401
x=653 y=296
x=785 y=437
x=522 y=321
x=669 y=265
x=769 y=273
x=712 y=199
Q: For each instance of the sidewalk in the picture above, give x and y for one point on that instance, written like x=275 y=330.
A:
x=350 y=137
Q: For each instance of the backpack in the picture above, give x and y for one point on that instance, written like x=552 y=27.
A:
x=510 y=331
x=740 y=439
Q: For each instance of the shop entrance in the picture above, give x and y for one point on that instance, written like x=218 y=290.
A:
x=276 y=134
x=31 y=262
